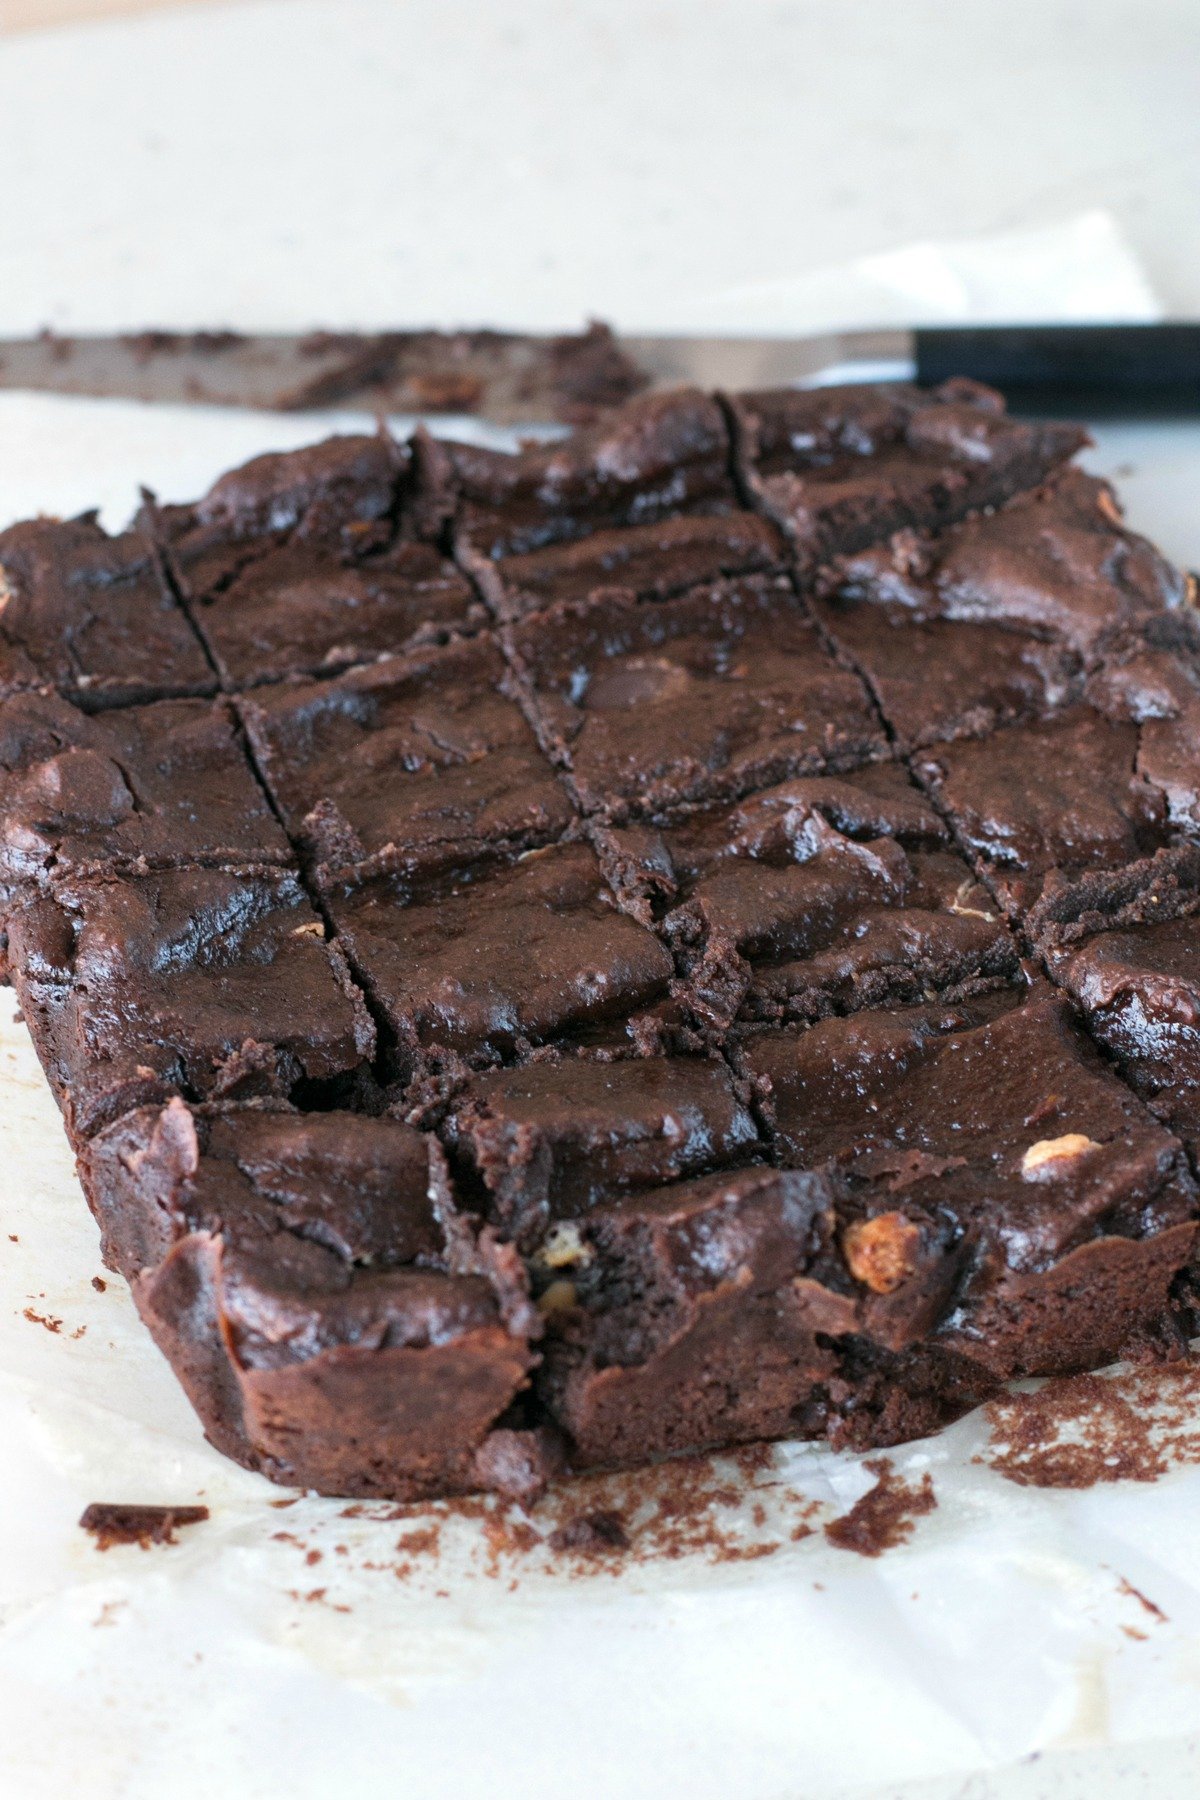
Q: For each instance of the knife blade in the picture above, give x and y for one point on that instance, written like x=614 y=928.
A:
x=516 y=378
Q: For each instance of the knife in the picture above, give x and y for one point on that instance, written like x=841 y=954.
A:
x=514 y=377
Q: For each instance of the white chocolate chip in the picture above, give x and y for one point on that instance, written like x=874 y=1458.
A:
x=6 y=593
x=1047 y=1156
x=563 y=1247
x=314 y=928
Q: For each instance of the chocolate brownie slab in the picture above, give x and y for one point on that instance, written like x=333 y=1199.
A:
x=483 y=960
x=334 y=1320
x=1066 y=1209
x=203 y=982
x=151 y=786
x=414 y=761
x=820 y=894
x=551 y=1139
x=88 y=614
x=720 y=690
x=841 y=467
x=658 y=456
x=652 y=561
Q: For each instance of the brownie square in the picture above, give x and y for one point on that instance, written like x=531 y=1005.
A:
x=417 y=760
x=999 y=618
x=204 y=982
x=89 y=614
x=691 y=1316
x=720 y=690
x=841 y=467
x=332 y=1317
x=305 y=563
x=652 y=561
x=1153 y=680
x=821 y=894
x=1062 y=1209
x=552 y=1139
x=501 y=954
x=1059 y=797
x=149 y=786
x=659 y=455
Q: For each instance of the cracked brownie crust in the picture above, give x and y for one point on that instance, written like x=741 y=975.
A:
x=683 y=934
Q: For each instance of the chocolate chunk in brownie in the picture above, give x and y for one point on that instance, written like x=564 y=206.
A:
x=657 y=456
x=414 y=761
x=652 y=561
x=203 y=982
x=481 y=960
x=333 y=1318
x=1070 y=1207
x=1058 y=795
x=90 y=614
x=839 y=468
x=720 y=690
x=824 y=893
x=554 y=1138
x=156 y=786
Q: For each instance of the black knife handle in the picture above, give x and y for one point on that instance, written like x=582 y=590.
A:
x=1089 y=368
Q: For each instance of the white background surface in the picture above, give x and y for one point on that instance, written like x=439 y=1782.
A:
x=674 y=165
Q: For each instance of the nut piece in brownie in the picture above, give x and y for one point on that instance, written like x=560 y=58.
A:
x=303 y=563
x=416 y=760
x=334 y=1320
x=995 y=619
x=717 y=691
x=1127 y=948
x=841 y=467
x=554 y=1137
x=482 y=960
x=652 y=561
x=204 y=982
x=157 y=785
x=90 y=615
x=658 y=456
x=991 y=1135
x=822 y=894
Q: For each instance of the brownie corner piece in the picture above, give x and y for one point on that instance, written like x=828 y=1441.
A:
x=92 y=615
x=336 y=1322
x=156 y=785
x=205 y=982
x=1074 y=1207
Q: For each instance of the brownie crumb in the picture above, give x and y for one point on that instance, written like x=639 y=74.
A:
x=885 y=1515
x=48 y=1321
x=112 y=1522
x=100 y=1285
x=1143 y=1600
x=592 y=1533
x=1086 y=1429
